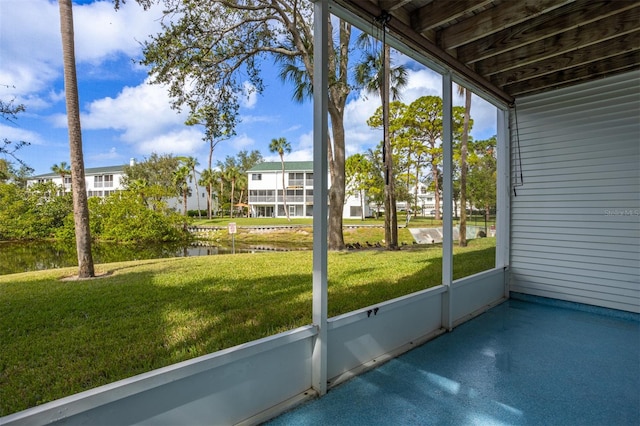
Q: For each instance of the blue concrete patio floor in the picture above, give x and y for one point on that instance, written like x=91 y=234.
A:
x=520 y=363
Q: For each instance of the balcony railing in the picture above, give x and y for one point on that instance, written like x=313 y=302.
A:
x=295 y=198
x=262 y=199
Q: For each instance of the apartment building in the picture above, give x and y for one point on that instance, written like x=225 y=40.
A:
x=103 y=181
x=266 y=197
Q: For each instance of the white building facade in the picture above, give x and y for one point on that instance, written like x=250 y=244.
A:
x=266 y=197
x=99 y=181
x=104 y=181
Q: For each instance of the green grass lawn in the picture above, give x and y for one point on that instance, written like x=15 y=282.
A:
x=62 y=337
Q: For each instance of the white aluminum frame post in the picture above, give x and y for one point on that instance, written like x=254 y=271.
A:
x=503 y=195
x=447 y=195
x=320 y=193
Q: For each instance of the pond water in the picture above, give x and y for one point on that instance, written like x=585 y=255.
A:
x=38 y=255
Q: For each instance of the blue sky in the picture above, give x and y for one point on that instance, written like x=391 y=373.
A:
x=124 y=117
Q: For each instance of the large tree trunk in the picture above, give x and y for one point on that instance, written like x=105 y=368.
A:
x=78 y=186
x=463 y=168
x=337 y=189
x=338 y=92
x=184 y=202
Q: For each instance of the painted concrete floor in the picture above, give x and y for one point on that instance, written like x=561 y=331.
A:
x=521 y=363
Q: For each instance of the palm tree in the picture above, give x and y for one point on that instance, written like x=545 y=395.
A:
x=78 y=186
x=192 y=163
x=464 y=142
x=242 y=183
x=219 y=176
x=231 y=175
x=370 y=71
x=61 y=170
x=281 y=146
x=374 y=74
x=180 y=180
x=207 y=179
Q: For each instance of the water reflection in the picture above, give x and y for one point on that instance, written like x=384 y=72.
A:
x=38 y=255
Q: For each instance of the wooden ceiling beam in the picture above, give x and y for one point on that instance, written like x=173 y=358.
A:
x=577 y=38
x=505 y=15
x=599 y=69
x=596 y=52
x=390 y=5
x=507 y=48
x=440 y=12
x=570 y=16
x=423 y=46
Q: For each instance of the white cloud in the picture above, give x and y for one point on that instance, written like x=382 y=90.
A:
x=359 y=136
x=423 y=82
x=140 y=112
x=145 y=120
x=305 y=142
x=16 y=134
x=31 y=48
x=302 y=155
x=241 y=142
x=420 y=82
x=111 y=154
x=101 y=31
x=484 y=117
x=250 y=119
x=249 y=95
x=292 y=128
x=177 y=142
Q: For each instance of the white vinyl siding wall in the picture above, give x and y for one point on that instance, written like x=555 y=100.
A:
x=576 y=220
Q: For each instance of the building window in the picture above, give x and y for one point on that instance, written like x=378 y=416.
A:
x=108 y=181
x=295 y=195
x=97 y=181
x=256 y=176
x=296 y=179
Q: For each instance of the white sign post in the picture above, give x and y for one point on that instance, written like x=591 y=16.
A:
x=233 y=230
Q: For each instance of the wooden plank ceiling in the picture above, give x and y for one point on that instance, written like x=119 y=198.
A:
x=517 y=47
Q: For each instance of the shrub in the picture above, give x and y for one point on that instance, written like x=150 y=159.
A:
x=124 y=217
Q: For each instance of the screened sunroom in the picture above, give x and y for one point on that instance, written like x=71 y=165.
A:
x=549 y=335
